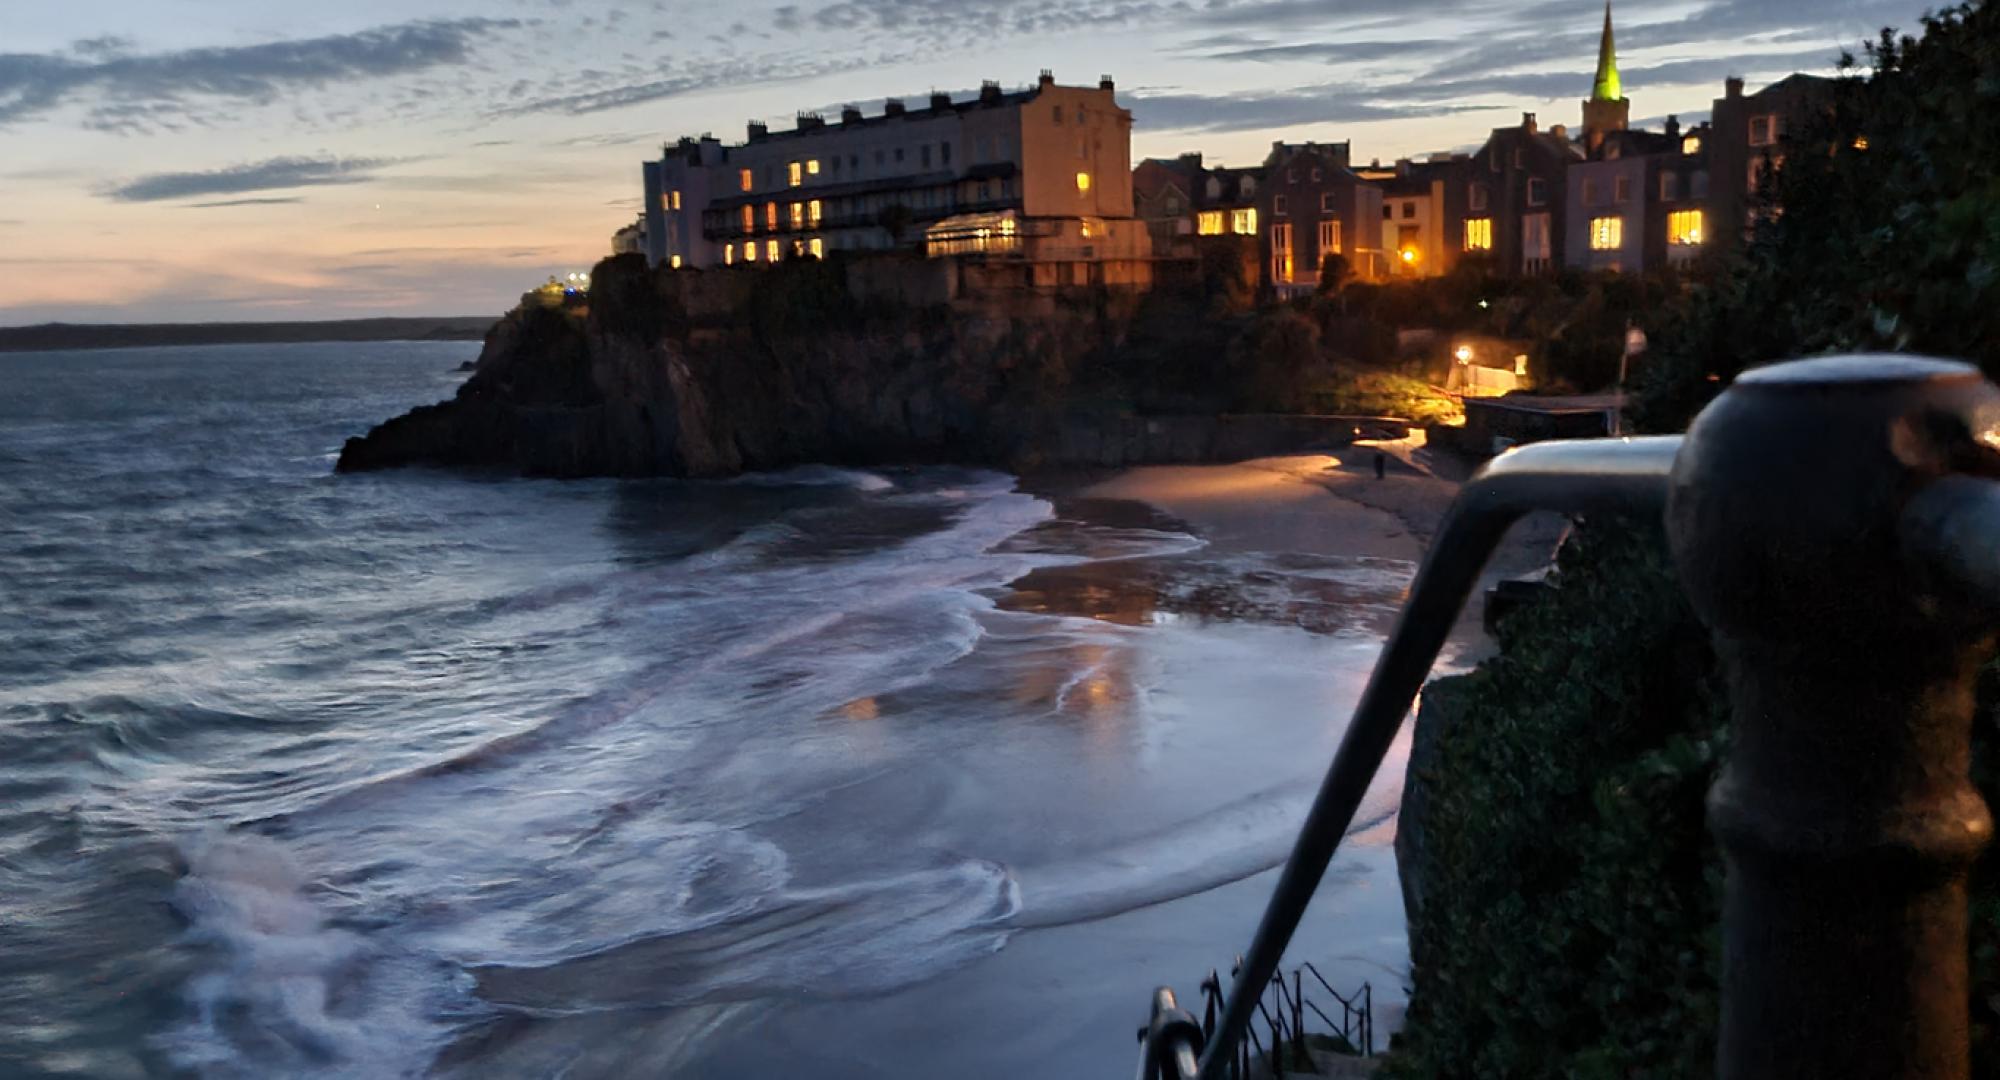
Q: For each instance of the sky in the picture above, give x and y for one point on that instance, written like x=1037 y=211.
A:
x=201 y=160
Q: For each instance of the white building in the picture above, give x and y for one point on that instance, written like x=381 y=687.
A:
x=1046 y=154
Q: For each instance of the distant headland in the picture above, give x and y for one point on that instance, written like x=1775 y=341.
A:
x=54 y=337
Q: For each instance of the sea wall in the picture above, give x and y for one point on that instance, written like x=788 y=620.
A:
x=882 y=361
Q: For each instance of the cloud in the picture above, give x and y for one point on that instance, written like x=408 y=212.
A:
x=246 y=202
x=1330 y=52
x=1325 y=104
x=275 y=174
x=158 y=85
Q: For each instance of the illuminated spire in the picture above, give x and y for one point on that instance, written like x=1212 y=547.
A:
x=1606 y=88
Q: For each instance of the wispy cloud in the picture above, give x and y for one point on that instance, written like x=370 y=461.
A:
x=279 y=201
x=275 y=174
x=1325 y=104
x=128 y=91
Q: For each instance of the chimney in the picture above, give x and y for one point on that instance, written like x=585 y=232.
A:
x=758 y=129
x=811 y=121
x=1560 y=131
x=1673 y=127
x=849 y=115
x=940 y=102
x=1732 y=88
x=1104 y=83
x=1528 y=123
x=1403 y=167
x=1192 y=159
x=1048 y=79
x=989 y=92
x=893 y=107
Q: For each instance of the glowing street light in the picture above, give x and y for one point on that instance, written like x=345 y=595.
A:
x=1464 y=354
x=1409 y=256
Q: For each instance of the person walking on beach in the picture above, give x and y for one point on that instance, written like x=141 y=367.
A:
x=1381 y=464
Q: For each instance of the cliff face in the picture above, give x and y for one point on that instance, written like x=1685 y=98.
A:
x=675 y=374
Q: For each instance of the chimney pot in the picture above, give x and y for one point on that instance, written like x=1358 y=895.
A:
x=989 y=92
x=1104 y=83
x=940 y=102
x=850 y=115
x=1733 y=87
x=1528 y=122
x=893 y=107
x=1048 y=77
x=1673 y=126
x=758 y=129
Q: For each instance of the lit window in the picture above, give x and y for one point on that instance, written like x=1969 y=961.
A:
x=749 y=218
x=729 y=255
x=817 y=247
x=746 y=179
x=1082 y=183
x=798 y=215
x=1691 y=145
x=1607 y=233
x=674 y=200
x=795 y=174
x=812 y=167
x=1479 y=234
x=1684 y=227
x=1538 y=191
x=770 y=215
x=1208 y=223
x=674 y=262
x=1243 y=222
x=1281 y=252
x=1278 y=206
x=812 y=213
x=750 y=251
x=771 y=250
x=1861 y=142
x=1329 y=237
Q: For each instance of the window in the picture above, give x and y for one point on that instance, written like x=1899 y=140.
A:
x=1698 y=185
x=1214 y=188
x=1476 y=199
x=749 y=218
x=1329 y=237
x=674 y=199
x=880 y=156
x=1316 y=176
x=1278 y=206
x=1538 y=191
x=1243 y=222
x=770 y=215
x=1607 y=233
x=1479 y=234
x=750 y=251
x=1079 y=114
x=729 y=255
x=798 y=215
x=1764 y=129
x=1520 y=158
x=812 y=213
x=1409 y=245
x=1684 y=227
x=1691 y=145
x=854 y=160
x=899 y=155
x=1057 y=113
x=1291 y=176
x=1388 y=211
x=1535 y=240
x=944 y=153
x=1326 y=202
x=812 y=166
x=1621 y=189
x=771 y=250
x=1590 y=191
x=1410 y=209
x=1281 y=252
x=1249 y=186
x=1670 y=186
x=1208 y=223
x=674 y=262
x=817 y=247
x=1171 y=206
x=795 y=174
x=924 y=155
x=746 y=179
x=1083 y=183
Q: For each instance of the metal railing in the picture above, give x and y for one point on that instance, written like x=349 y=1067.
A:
x=1833 y=526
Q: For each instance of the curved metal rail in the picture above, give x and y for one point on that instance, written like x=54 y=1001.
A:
x=1594 y=476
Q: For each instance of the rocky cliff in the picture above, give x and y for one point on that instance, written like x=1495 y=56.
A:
x=682 y=374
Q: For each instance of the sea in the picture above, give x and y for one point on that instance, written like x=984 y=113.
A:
x=895 y=772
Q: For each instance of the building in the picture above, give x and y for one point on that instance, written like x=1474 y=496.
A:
x=1747 y=137
x=631 y=239
x=1423 y=213
x=1227 y=202
x=1314 y=206
x=1053 y=159
x=1164 y=197
x=1606 y=110
x=1515 y=186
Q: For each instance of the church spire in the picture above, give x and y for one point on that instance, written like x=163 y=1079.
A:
x=1606 y=88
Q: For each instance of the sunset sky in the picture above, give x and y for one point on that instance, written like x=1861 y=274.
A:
x=186 y=160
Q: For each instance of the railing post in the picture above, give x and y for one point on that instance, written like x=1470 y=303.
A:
x=1844 y=812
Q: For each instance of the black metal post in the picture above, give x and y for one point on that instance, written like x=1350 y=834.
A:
x=1844 y=812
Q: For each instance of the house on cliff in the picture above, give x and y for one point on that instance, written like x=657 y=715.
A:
x=974 y=177
x=1314 y=206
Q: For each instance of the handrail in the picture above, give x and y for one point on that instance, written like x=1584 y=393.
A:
x=1599 y=475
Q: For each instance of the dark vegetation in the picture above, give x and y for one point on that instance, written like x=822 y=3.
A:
x=1569 y=926
x=52 y=337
